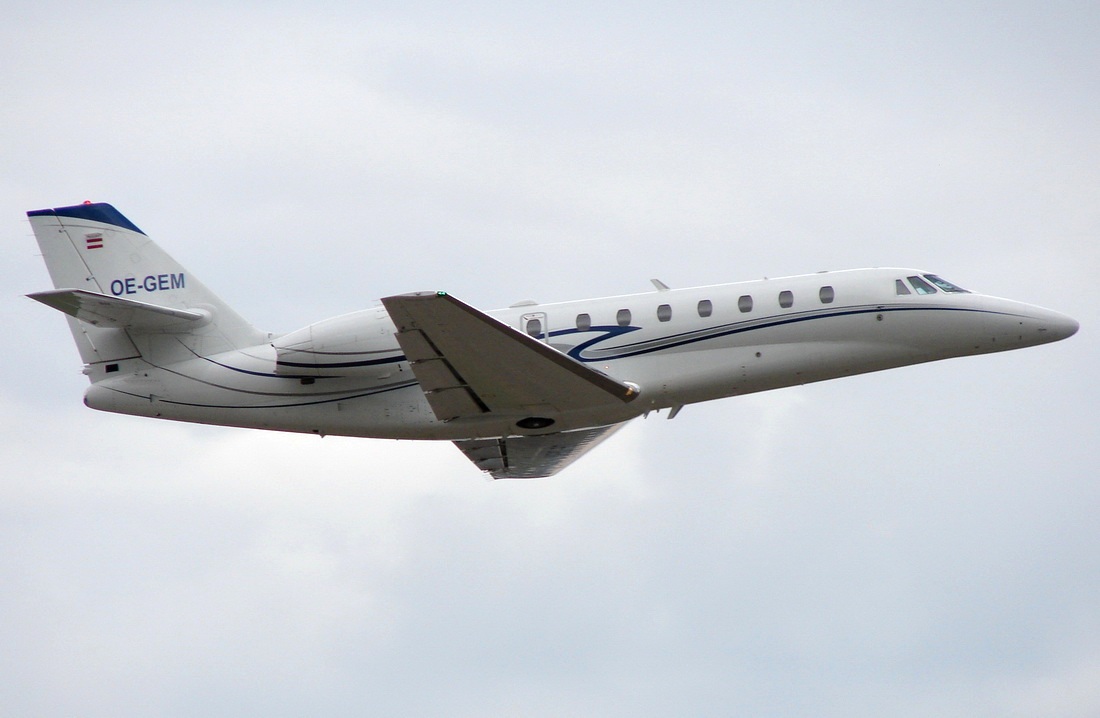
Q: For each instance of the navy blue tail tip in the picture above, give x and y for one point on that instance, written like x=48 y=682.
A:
x=96 y=212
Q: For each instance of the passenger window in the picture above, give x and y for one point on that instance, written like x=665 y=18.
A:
x=664 y=313
x=534 y=327
x=900 y=287
x=705 y=308
x=921 y=286
x=826 y=294
x=786 y=299
x=623 y=317
x=584 y=322
x=744 y=303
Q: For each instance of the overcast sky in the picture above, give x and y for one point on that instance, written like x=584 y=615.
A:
x=918 y=542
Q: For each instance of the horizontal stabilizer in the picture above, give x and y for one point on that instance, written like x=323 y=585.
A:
x=102 y=310
x=470 y=364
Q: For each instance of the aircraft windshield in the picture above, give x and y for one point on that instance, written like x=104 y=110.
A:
x=945 y=285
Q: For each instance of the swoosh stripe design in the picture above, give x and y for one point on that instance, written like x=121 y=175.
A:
x=588 y=351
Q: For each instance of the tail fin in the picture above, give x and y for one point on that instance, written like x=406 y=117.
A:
x=91 y=249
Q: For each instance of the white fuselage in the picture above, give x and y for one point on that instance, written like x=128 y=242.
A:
x=678 y=346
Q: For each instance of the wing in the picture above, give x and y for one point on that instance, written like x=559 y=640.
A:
x=470 y=364
x=102 y=310
x=533 y=457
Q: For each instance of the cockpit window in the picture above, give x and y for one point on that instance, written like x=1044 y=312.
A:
x=900 y=287
x=945 y=285
x=921 y=286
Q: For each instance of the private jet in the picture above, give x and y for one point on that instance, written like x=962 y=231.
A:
x=523 y=391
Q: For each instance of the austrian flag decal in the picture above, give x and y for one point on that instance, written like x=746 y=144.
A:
x=93 y=241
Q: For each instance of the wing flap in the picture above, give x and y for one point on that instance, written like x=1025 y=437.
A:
x=102 y=310
x=454 y=402
x=447 y=393
x=533 y=457
x=434 y=374
x=416 y=345
x=457 y=351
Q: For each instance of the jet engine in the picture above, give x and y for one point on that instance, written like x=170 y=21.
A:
x=356 y=344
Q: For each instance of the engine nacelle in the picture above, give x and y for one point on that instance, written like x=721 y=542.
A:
x=356 y=344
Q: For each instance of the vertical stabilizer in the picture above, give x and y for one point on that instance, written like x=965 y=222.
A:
x=94 y=248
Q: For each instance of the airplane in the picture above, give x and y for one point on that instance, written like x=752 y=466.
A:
x=523 y=391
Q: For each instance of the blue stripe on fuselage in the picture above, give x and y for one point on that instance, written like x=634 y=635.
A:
x=700 y=335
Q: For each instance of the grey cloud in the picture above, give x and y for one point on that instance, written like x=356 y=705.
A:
x=910 y=543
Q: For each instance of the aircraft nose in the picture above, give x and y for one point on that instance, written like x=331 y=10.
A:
x=1058 y=326
x=1014 y=324
x=1050 y=326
